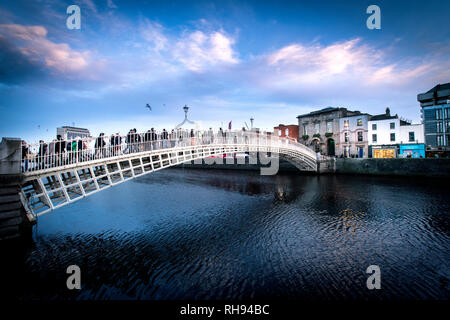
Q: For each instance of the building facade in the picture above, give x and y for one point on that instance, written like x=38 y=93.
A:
x=320 y=129
x=68 y=133
x=391 y=137
x=435 y=108
x=289 y=131
x=353 y=136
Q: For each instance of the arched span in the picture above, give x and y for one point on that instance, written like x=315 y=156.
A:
x=51 y=187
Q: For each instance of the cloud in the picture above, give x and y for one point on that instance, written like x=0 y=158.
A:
x=299 y=64
x=153 y=33
x=89 y=4
x=111 y=4
x=31 y=44
x=341 y=69
x=198 y=50
x=202 y=64
x=14 y=67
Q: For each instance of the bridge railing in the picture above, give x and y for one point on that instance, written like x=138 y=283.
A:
x=59 y=153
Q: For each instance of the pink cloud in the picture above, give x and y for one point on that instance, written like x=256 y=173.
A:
x=199 y=50
x=343 y=64
x=32 y=42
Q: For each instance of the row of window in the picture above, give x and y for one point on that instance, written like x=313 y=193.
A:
x=440 y=142
x=317 y=127
x=411 y=137
x=391 y=126
x=359 y=136
x=442 y=113
x=346 y=125
x=440 y=126
x=359 y=123
x=286 y=132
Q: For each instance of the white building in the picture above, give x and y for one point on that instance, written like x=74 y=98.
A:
x=388 y=134
x=353 y=136
x=411 y=134
x=68 y=133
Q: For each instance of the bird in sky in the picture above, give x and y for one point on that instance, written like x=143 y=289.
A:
x=148 y=106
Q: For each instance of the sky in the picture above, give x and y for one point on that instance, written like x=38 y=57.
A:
x=227 y=60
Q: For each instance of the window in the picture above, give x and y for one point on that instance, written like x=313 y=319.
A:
x=346 y=136
x=392 y=125
x=317 y=127
x=360 y=136
x=286 y=132
x=305 y=132
x=374 y=138
x=345 y=123
x=446 y=113
x=440 y=140
x=439 y=127
x=438 y=114
x=447 y=126
x=330 y=126
x=392 y=136
x=374 y=126
x=411 y=136
x=359 y=122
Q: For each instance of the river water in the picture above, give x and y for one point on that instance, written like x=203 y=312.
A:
x=213 y=234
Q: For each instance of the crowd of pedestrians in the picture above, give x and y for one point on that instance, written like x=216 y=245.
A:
x=60 y=152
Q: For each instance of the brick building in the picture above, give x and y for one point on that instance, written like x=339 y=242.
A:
x=290 y=130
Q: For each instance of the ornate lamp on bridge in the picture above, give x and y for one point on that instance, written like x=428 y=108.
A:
x=186 y=120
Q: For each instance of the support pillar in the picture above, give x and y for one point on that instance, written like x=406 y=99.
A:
x=14 y=223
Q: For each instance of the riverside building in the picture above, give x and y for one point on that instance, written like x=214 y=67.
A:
x=353 y=136
x=320 y=130
x=391 y=137
x=286 y=131
x=67 y=132
x=435 y=109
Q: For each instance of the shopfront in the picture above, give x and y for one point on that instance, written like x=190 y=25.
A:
x=412 y=151
x=384 y=152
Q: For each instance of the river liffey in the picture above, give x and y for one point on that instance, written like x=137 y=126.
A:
x=213 y=234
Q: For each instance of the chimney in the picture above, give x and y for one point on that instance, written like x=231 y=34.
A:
x=388 y=111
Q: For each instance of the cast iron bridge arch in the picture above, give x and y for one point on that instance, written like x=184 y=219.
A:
x=55 y=180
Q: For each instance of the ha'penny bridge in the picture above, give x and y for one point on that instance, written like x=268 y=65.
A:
x=43 y=177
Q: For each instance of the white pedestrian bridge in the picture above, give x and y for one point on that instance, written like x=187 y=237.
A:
x=60 y=172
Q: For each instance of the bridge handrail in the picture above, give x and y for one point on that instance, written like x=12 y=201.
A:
x=59 y=153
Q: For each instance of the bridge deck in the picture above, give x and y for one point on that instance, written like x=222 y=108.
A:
x=57 y=179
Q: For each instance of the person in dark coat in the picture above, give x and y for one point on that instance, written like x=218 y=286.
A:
x=100 y=145
x=164 y=137
x=117 y=144
x=24 y=156
x=80 y=149
x=42 y=153
x=128 y=141
x=60 y=148
x=137 y=141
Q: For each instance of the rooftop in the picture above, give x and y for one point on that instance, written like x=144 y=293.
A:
x=382 y=117
x=321 y=111
x=73 y=128
x=439 y=94
x=440 y=87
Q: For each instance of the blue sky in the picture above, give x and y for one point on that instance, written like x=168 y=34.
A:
x=227 y=60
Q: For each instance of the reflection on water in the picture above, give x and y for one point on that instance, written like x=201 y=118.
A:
x=194 y=234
